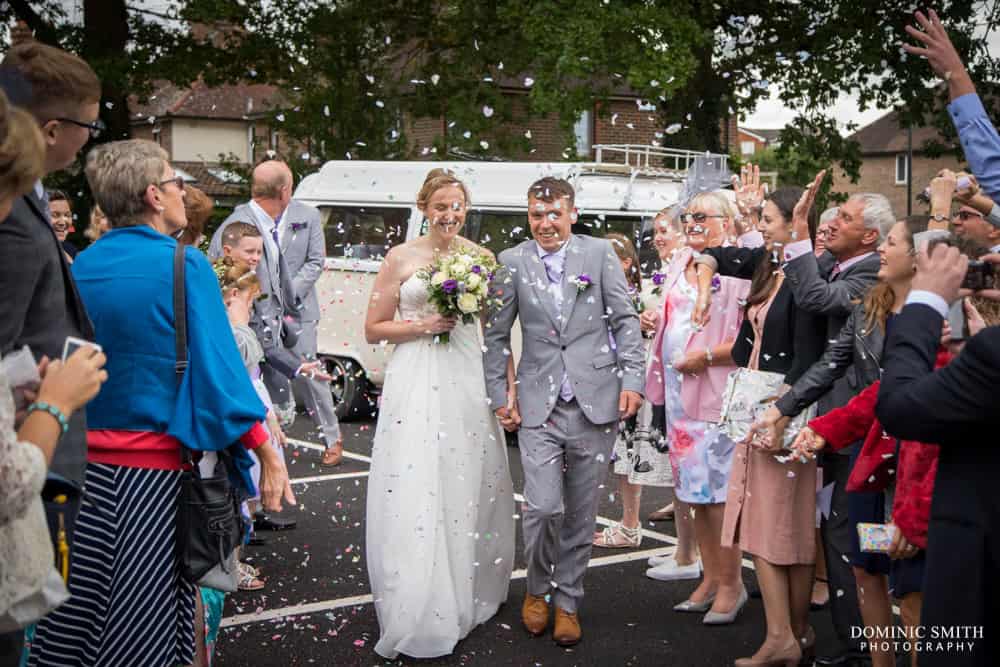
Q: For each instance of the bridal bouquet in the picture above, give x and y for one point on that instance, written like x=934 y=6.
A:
x=458 y=284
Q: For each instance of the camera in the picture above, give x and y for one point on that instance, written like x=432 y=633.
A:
x=980 y=275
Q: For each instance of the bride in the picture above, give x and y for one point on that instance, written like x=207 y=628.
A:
x=440 y=527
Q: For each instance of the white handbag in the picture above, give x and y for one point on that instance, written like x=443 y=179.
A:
x=748 y=394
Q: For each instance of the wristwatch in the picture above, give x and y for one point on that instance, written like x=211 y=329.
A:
x=939 y=218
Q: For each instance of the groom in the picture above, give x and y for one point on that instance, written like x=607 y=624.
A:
x=574 y=382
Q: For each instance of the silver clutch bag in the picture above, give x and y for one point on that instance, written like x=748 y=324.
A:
x=748 y=394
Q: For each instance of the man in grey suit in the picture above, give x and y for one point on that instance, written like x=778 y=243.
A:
x=832 y=285
x=303 y=248
x=276 y=318
x=581 y=371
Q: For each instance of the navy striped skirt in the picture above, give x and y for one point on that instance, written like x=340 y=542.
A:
x=128 y=603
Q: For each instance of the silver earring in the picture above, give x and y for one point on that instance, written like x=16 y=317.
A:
x=161 y=209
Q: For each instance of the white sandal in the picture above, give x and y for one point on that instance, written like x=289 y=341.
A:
x=617 y=536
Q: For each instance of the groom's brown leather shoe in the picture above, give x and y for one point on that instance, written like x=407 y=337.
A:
x=535 y=614
x=567 y=631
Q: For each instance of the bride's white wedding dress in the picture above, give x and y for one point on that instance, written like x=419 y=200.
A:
x=440 y=527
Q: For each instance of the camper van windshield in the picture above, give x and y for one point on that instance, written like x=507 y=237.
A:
x=367 y=232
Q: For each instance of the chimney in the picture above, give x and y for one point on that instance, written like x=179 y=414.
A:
x=21 y=34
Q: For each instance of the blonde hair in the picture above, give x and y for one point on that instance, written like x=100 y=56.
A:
x=22 y=151
x=93 y=230
x=235 y=275
x=716 y=200
x=119 y=172
x=435 y=180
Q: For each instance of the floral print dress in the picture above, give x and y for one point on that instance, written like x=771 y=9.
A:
x=701 y=453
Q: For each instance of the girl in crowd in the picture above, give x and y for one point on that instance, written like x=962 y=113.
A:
x=771 y=505
x=647 y=465
x=687 y=375
x=628 y=533
x=240 y=289
x=129 y=604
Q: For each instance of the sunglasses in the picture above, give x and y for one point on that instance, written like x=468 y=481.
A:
x=688 y=218
x=96 y=128
x=176 y=180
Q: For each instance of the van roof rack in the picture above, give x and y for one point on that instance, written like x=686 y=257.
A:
x=646 y=160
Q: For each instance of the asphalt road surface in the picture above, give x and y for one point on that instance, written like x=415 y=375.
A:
x=317 y=609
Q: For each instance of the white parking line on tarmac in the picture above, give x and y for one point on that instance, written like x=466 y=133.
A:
x=357 y=600
x=327 y=478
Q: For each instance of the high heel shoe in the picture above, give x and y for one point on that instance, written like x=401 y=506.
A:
x=790 y=656
x=696 y=607
x=726 y=618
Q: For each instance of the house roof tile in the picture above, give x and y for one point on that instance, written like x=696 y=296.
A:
x=225 y=102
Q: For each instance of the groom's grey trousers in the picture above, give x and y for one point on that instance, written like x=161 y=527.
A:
x=568 y=459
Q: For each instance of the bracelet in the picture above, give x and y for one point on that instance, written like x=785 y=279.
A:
x=42 y=406
x=708 y=356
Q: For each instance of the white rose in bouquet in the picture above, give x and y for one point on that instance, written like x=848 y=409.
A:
x=439 y=277
x=468 y=303
x=473 y=281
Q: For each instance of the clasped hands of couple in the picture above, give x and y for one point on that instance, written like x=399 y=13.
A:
x=629 y=403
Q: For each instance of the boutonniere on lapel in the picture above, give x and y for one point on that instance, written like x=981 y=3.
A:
x=299 y=226
x=658 y=279
x=582 y=282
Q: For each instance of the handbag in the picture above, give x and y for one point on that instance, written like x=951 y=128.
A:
x=748 y=394
x=209 y=523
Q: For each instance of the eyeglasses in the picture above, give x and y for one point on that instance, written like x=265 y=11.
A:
x=176 y=180
x=965 y=215
x=688 y=218
x=96 y=128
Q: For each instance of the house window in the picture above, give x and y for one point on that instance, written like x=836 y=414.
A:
x=584 y=131
x=748 y=147
x=273 y=142
x=902 y=172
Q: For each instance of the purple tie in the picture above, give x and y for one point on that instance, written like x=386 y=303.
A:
x=553 y=268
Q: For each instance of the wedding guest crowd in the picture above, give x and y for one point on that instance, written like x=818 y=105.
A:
x=790 y=357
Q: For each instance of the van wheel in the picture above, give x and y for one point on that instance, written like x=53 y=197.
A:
x=349 y=389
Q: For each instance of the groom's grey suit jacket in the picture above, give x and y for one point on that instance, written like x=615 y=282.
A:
x=574 y=341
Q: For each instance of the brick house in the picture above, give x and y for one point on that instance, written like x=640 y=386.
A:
x=751 y=142
x=884 y=167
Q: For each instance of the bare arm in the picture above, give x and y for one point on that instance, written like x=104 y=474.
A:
x=380 y=320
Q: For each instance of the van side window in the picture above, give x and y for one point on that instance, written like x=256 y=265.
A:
x=363 y=232
x=498 y=230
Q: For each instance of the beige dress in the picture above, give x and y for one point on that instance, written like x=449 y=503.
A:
x=770 y=506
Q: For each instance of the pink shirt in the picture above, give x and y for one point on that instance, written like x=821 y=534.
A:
x=701 y=396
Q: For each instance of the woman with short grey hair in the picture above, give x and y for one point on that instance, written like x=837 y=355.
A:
x=129 y=602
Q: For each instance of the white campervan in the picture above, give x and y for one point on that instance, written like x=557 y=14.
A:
x=368 y=207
